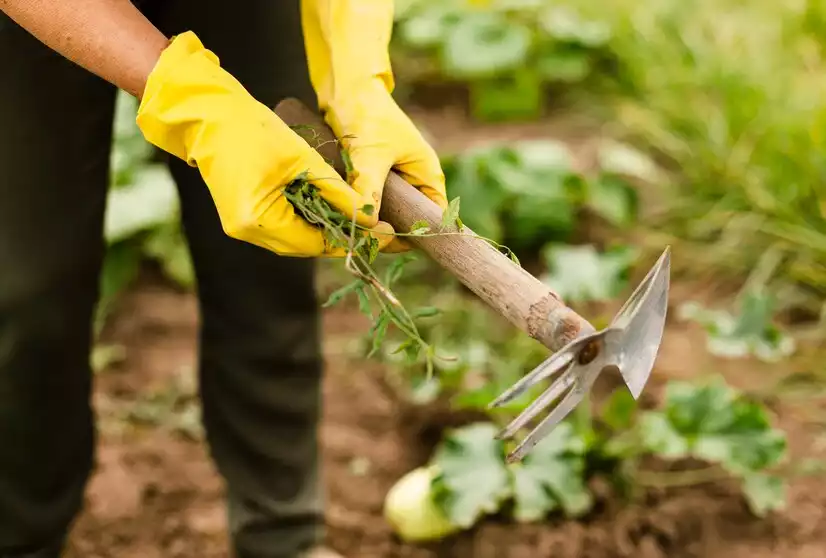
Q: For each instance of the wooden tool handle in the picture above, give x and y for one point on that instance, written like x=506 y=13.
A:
x=513 y=292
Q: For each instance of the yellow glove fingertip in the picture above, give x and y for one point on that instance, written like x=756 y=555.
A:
x=384 y=233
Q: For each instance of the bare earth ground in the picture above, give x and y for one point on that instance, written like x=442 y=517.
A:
x=156 y=494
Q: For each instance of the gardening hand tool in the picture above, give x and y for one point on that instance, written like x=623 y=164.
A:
x=629 y=344
x=197 y=111
x=347 y=54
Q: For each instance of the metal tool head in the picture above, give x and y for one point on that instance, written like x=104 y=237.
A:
x=629 y=344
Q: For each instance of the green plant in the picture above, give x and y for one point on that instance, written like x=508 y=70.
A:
x=142 y=214
x=581 y=274
x=506 y=51
x=530 y=192
x=711 y=423
x=750 y=332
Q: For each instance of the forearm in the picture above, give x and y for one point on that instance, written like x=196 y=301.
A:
x=110 y=38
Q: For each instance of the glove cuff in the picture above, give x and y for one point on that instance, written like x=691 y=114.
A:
x=166 y=116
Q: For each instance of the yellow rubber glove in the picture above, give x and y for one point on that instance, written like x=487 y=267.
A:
x=195 y=110
x=347 y=44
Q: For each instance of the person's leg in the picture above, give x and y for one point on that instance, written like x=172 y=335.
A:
x=261 y=365
x=55 y=130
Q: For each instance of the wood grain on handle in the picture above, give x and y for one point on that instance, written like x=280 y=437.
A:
x=513 y=292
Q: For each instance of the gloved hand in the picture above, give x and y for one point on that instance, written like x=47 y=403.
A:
x=195 y=110
x=347 y=44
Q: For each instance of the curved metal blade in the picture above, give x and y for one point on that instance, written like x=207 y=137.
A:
x=642 y=321
x=630 y=344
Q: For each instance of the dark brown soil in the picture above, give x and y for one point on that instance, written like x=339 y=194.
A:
x=155 y=493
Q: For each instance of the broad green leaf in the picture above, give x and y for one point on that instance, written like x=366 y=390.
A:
x=613 y=199
x=620 y=159
x=563 y=24
x=151 y=200
x=660 y=437
x=721 y=426
x=484 y=44
x=167 y=245
x=619 y=410
x=503 y=166
x=580 y=273
x=564 y=65
x=466 y=178
x=541 y=215
x=552 y=476
x=516 y=96
x=534 y=173
x=764 y=493
x=429 y=27
x=121 y=265
x=750 y=332
x=472 y=480
x=544 y=156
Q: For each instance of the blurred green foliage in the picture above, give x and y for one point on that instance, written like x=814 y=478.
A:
x=507 y=51
x=729 y=95
x=142 y=214
x=530 y=192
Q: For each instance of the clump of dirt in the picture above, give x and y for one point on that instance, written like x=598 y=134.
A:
x=155 y=492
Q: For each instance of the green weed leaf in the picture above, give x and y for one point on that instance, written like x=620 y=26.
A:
x=566 y=66
x=719 y=425
x=378 y=332
x=429 y=27
x=580 y=273
x=472 y=480
x=564 y=25
x=619 y=159
x=750 y=332
x=660 y=437
x=484 y=44
x=764 y=493
x=420 y=228
x=516 y=96
x=341 y=293
x=150 y=200
x=613 y=199
x=552 y=477
x=364 y=300
x=395 y=270
x=121 y=265
x=450 y=216
x=619 y=411
x=468 y=178
x=167 y=245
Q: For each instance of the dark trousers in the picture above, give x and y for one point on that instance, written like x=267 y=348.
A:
x=260 y=362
